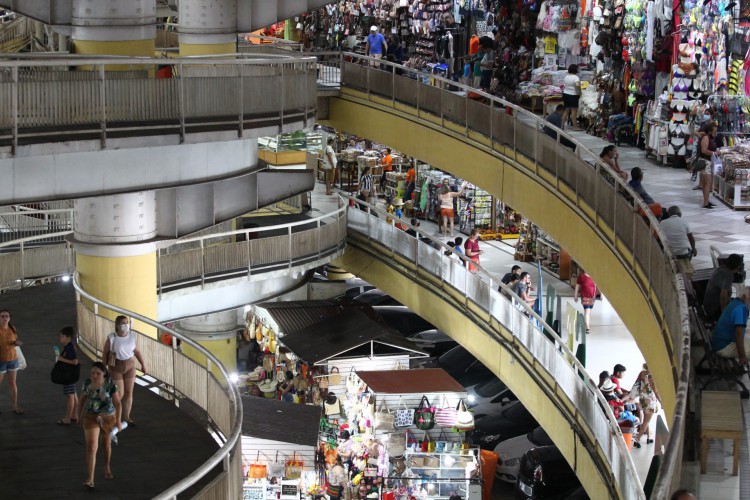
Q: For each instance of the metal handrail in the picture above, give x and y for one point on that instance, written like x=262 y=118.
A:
x=233 y=394
x=534 y=319
x=680 y=343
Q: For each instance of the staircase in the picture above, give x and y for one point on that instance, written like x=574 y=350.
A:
x=16 y=35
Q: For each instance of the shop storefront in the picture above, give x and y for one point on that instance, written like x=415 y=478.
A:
x=279 y=442
x=404 y=435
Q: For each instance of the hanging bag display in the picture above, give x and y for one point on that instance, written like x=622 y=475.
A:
x=424 y=444
x=352 y=382
x=464 y=418
x=257 y=470
x=384 y=419
x=332 y=405
x=445 y=416
x=424 y=416
x=276 y=469
x=395 y=443
x=293 y=468
x=442 y=442
x=334 y=377
x=404 y=416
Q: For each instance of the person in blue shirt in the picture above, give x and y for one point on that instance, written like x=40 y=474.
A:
x=728 y=340
x=376 y=45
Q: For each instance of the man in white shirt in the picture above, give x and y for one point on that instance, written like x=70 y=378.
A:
x=680 y=240
x=329 y=165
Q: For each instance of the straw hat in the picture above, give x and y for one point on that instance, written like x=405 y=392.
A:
x=398 y=202
x=608 y=386
x=268 y=385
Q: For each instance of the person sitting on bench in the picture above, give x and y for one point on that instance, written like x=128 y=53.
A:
x=728 y=340
x=719 y=287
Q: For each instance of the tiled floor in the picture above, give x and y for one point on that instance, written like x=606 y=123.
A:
x=610 y=342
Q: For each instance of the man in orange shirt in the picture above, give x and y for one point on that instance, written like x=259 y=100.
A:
x=411 y=177
x=387 y=164
x=473 y=44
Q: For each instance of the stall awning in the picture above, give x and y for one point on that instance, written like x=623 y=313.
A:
x=279 y=421
x=420 y=381
x=352 y=332
x=294 y=316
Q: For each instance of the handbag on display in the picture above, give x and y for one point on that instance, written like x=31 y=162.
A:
x=395 y=443
x=332 y=405
x=445 y=416
x=293 y=468
x=424 y=416
x=352 y=382
x=268 y=363
x=275 y=469
x=65 y=373
x=384 y=419
x=257 y=470
x=334 y=377
x=441 y=444
x=404 y=416
x=464 y=418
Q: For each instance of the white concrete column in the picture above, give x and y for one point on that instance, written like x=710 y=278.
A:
x=207 y=27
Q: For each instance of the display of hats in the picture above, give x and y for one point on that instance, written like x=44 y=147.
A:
x=398 y=202
x=268 y=388
x=608 y=386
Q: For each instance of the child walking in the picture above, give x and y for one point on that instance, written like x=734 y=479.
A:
x=68 y=355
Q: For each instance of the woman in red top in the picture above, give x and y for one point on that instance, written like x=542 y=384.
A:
x=471 y=249
x=587 y=288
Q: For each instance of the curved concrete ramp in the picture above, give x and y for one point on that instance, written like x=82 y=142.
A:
x=518 y=181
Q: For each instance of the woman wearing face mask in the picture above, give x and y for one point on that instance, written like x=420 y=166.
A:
x=122 y=343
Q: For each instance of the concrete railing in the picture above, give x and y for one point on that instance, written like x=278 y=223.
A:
x=574 y=387
x=579 y=177
x=251 y=252
x=202 y=379
x=42 y=100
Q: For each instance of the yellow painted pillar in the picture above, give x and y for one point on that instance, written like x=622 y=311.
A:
x=115 y=27
x=128 y=282
x=116 y=252
x=217 y=332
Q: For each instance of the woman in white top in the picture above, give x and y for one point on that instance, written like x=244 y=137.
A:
x=446 y=207
x=122 y=343
x=571 y=96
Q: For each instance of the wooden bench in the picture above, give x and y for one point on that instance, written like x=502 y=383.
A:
x=719 y=368
x=721 y=418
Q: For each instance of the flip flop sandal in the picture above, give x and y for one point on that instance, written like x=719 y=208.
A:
x=89 y=485
x=62 y=422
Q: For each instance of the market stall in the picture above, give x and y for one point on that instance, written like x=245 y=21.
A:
x=407 y=426
x=732 y=181
x=312 y=338
x=279 y=442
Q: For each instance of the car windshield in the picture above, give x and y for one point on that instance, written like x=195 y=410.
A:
x=433 y=336
x=517 y=413
x=489 y=388
x=539 y=437
x=458 y=357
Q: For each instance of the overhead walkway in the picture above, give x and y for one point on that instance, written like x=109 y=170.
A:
x=118 y=128
x=218 y=269
x=508 y=338
x=42 y=460
x=500 y=147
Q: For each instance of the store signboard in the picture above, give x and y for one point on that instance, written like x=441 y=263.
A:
x=290 y=489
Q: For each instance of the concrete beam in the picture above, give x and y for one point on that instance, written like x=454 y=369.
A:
x=186 y=209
